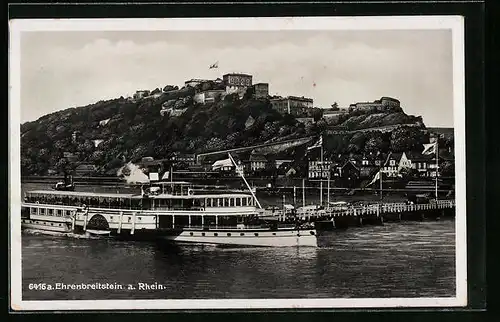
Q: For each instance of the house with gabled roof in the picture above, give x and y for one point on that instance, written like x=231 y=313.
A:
x=257 y=162
x=391 y=164
x=85 y=169
x=369 y=163
x=424 y=164
x=348 y=173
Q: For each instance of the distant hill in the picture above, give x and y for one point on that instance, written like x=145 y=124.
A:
x=446 y=132
x=442 y=130
x=110 y=133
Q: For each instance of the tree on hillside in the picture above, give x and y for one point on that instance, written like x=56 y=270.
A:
x=248 y=93
x=230 y=99
x=214 y=144
x=408 y=139
x=357 y=143
x=335 y=144
x=63 y=166
x=335 y=106
x=289 y=120
x=377 y=142
x=447 y=169
x=170 y=88
x=270 y=130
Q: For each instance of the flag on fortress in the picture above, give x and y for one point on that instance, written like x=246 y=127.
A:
x=429 y=148
x=214 y=65
x=317 y=144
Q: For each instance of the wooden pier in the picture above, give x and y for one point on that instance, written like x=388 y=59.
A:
x=333 y=217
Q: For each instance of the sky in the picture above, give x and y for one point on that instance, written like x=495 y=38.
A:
x=64 y=69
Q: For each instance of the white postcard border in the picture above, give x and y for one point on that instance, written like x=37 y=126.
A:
x=454 y=23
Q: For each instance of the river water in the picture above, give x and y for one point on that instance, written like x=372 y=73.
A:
x=406 y=259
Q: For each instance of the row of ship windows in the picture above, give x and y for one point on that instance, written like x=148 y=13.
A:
x=241 y=234
x=228 y=234
x=129 y=219
x=50 y=212
x=59 y=213
x=43 y=223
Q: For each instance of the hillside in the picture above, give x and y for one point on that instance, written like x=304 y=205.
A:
x=379 y=120
x=128 y=129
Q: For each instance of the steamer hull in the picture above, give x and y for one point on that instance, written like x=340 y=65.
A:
x=280 y=238
x=44 y=226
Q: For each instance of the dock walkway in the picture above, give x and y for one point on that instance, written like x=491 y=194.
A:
x=379 y=210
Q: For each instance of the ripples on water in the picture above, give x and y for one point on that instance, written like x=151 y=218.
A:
x=412 y=259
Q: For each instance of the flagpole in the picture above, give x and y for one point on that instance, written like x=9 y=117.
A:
x=245 y=180
x=380 y=179
x=321 y=177
x=294 y=196
x=328 y=190
x=303 y=192
x=437 y=168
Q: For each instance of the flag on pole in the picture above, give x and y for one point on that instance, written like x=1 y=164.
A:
x=377 y=177
x=215 y=65
x=222 y=164
x=317 y=144
x=429 y=148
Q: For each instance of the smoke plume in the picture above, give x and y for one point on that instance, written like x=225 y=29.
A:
x=132 y=174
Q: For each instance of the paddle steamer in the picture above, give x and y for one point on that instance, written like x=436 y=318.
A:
x=163 y=210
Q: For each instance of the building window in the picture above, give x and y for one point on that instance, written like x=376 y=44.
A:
x=392 y=162
x=203 y=234
x=33 y=211
x=228 y=234
x=256 y=234
x=191 y=234
x=242 y=234
x=216 y=234
x=42 y=211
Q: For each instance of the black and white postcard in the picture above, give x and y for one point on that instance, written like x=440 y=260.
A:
x=237 y=163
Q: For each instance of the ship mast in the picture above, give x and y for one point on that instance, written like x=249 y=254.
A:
x=245 y=180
